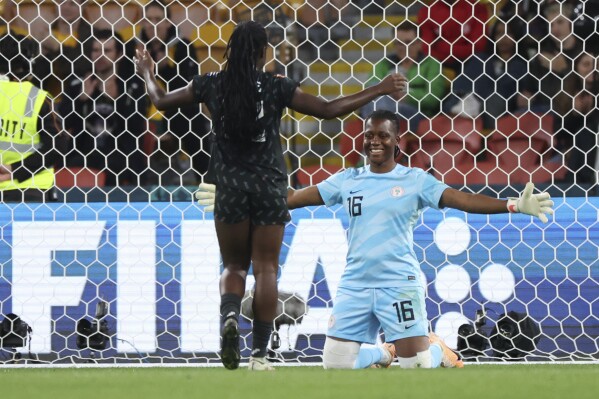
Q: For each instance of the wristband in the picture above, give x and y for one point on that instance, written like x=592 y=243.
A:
x=512 y=205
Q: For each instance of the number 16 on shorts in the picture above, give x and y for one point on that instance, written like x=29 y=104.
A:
x=404 y=313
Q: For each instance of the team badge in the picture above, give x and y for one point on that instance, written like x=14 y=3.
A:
x=397 y=191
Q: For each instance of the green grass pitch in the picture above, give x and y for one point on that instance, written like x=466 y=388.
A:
x=482 y=382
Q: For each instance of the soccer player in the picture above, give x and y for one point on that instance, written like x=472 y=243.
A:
x=381 y=287
x=247 y=166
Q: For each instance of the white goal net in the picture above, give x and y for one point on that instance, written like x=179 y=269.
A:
x=119 y=265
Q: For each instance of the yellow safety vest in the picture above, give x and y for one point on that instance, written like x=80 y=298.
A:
x=20 y=105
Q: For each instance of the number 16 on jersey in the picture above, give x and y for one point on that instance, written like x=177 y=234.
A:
x=354 y=206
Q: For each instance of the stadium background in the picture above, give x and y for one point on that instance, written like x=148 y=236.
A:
x=151 y=254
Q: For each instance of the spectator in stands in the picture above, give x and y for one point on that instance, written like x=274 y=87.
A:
x=181 y=129
x=585 y=67
x=579 y=133
x=526 y=12
x=319 y=24
x=576 y=130
x=63 y=50
x=584 y=75
x=105 y=113
x=453 y=30
x=586 y=24
x=554 y=62
x=426 y=83
x=30 y=132
x=11 y=22
x=490 y=81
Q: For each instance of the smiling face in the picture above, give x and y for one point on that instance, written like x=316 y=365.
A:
x=380 y=140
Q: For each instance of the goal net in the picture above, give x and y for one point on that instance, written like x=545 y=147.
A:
x=118 y=265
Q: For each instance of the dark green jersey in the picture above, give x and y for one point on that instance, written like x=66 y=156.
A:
x=262 y=167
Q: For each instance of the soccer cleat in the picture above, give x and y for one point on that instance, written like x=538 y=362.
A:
x=389 y=357
x=450 y=358
x=229 y=354
x=260 y=364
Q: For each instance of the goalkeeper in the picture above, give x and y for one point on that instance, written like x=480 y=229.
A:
x=381 y=287
x=248 y=168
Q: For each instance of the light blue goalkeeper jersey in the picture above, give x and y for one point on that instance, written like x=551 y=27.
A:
x=383 y=209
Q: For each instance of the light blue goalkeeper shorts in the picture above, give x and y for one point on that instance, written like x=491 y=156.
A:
x=360 y=313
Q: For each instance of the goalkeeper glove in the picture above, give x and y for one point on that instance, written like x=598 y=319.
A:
x=205 y=196
x=532 y=204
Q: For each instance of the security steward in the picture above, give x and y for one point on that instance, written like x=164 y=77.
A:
x=29 y=134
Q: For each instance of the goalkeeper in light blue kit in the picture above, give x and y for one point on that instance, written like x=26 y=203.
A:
x=381 y=286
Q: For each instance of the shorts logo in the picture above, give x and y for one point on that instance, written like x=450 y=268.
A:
x=331 y=321
x=397 y=191
x=410 y=326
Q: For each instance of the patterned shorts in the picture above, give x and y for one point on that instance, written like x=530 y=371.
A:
x=233 y=205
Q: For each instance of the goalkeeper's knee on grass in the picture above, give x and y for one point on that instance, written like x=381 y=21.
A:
x=340 y=354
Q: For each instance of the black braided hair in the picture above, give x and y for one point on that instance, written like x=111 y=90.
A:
x=238 y=122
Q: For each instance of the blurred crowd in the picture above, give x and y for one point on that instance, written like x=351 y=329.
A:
x=536 y=56
x=463 y=58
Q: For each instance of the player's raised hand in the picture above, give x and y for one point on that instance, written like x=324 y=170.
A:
x=143 y=62
x=205 y=196
x=395 y=83
x=532 y=204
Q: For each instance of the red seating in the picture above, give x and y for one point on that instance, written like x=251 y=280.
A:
x=549 y=172
x=79 y=177
x=518 y=145
x=520 y=140
x=449 y=146
x=351 y=142
x=311 y=175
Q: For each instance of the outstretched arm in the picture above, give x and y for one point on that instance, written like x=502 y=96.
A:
x=161 y=99
x=530 y=204
x=295 y=199
x=315 y=106
x=472 y=203
x=304 y=197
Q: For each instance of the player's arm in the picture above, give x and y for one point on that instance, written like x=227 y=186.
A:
x=304 y=197
x=472 y=203
x=537 y=205
x=159 y=97
x=311 y=105
x=295 y=199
